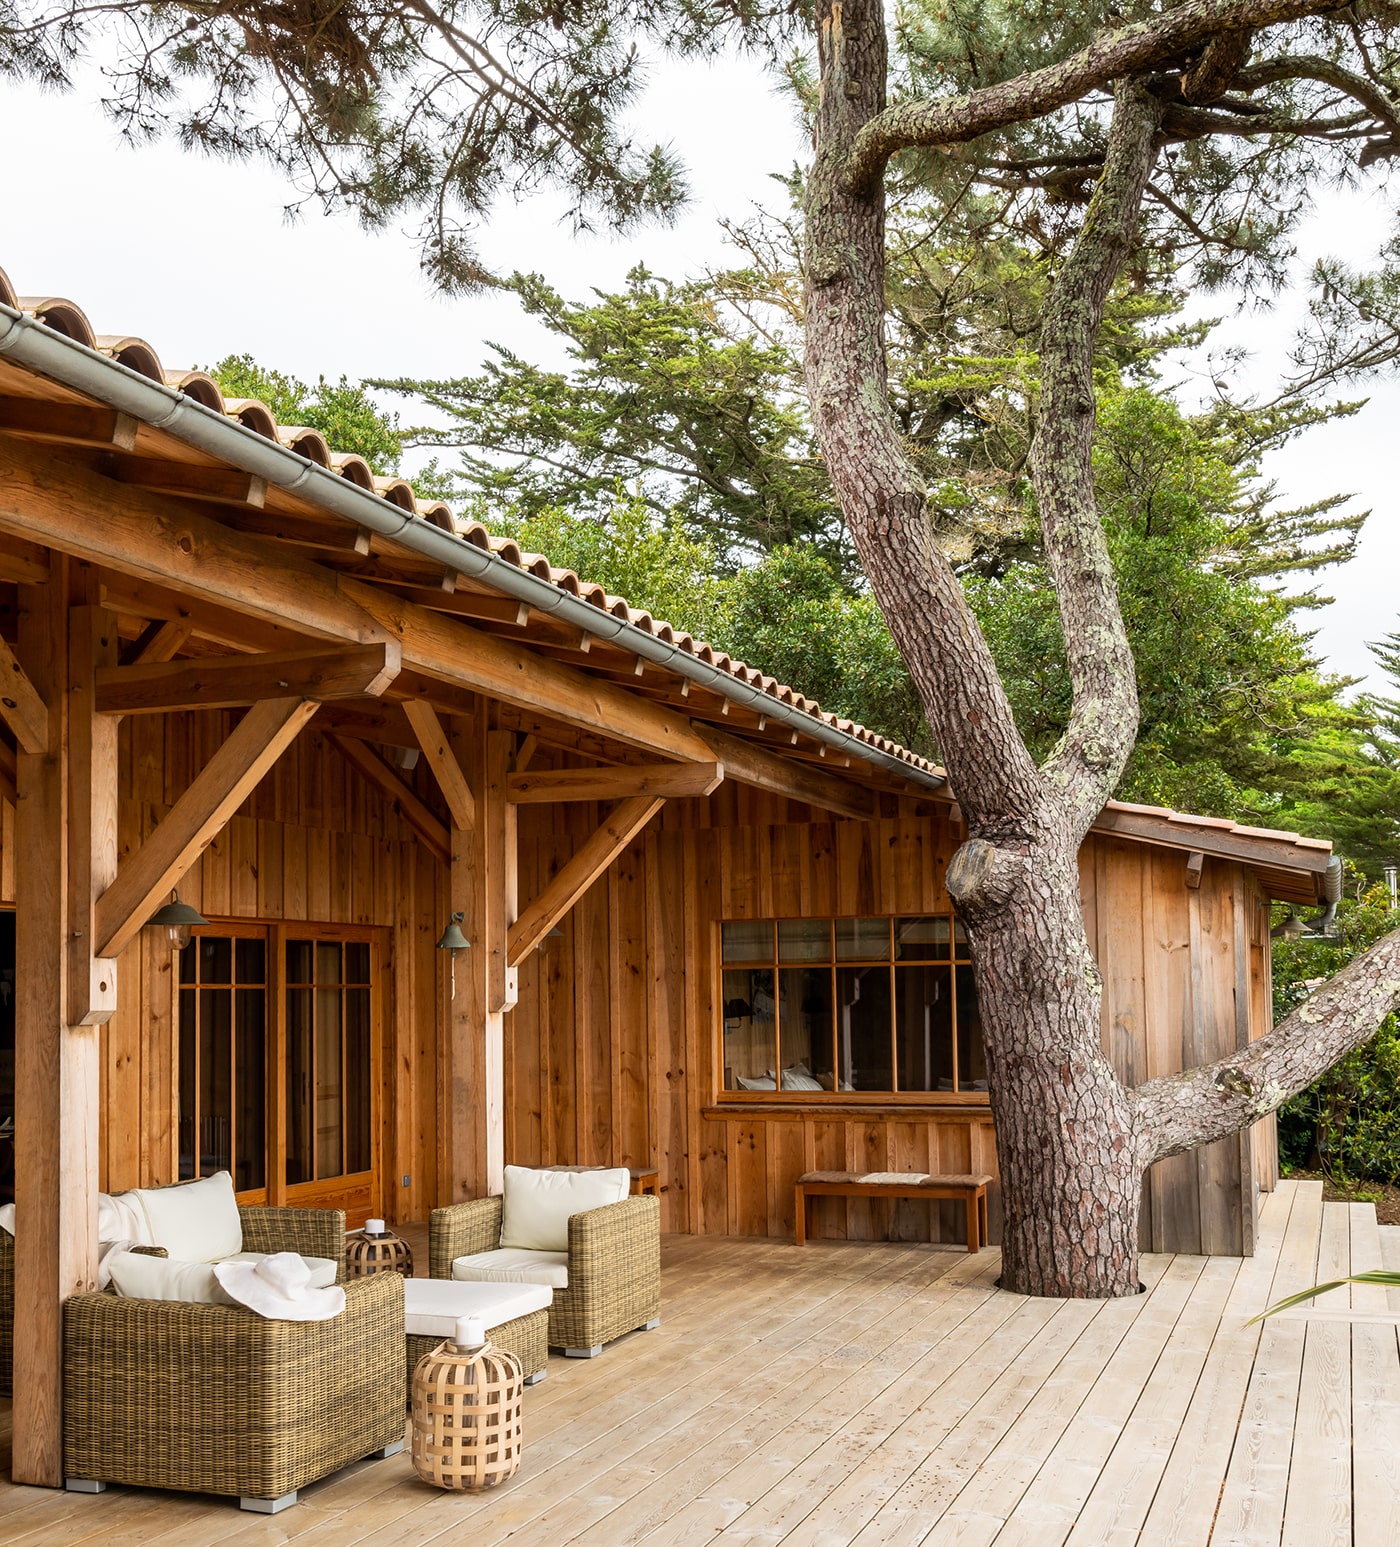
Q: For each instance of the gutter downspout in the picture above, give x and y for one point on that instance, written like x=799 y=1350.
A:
x=62 y=359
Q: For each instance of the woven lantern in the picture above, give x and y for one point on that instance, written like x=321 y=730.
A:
x=376 y=1249
x=466 y=1411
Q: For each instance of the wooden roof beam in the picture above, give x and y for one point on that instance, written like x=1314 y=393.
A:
x=161 y=640
x=66 y=424
x=21 y=707
x=578 y=873
x=755 y=765
x=668 y=780
x=437 y=748
x=228 y=681
x=24 y=563
x=374 y=770
x=218 y=790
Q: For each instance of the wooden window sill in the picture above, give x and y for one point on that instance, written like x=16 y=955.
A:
x=971 y=1107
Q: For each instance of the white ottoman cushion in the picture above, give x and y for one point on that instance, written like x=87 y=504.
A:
x=431 y=1306
x=511 y=1265
x=323 y=1269
x=537 y=1204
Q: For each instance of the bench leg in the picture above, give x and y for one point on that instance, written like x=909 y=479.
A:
x=972 y=1222
x=801 y=1216
x=982 y=1210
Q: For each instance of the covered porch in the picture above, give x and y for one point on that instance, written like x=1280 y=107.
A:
x=889 y=1393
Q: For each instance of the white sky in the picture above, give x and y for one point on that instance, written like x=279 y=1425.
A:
x=196 y=257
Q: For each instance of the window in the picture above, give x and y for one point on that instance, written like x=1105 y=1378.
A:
x=880 y=1005
x=328 y=1059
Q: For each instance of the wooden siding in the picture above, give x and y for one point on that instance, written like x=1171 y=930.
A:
x=612 y=1051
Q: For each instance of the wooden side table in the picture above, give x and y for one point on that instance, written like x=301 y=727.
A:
x=645 y=1179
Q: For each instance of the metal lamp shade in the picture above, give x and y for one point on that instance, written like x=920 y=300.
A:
x=177 y=917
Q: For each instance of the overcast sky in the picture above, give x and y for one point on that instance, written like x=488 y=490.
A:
x=197 y=258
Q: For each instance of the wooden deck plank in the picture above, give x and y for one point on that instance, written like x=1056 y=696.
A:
x=887 y=1393
x=1317 y=1512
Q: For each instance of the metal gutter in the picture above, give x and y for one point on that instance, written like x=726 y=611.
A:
x=62 y=359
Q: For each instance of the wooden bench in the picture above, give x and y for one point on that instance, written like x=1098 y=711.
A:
x=897 y=1184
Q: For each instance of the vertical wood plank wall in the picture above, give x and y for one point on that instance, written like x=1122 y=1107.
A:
x=611 y=1052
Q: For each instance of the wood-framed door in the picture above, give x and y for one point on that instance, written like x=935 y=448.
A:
x=278 y=1031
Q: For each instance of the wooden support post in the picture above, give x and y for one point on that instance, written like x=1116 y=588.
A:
x=57 y=1066
x=483 y=891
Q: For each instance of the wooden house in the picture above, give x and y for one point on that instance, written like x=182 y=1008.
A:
x=708 y=926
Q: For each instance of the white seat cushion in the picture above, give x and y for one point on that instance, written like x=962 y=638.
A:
x=138 y=1277
x=196 y=1221
x=432 y=1306
x=512 y=1265
x=537 y=1204
x=323 y=1269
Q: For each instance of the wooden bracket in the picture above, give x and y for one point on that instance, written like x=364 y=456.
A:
x=367 y=762
x=1195 y=861
x=21 y=708
x=668 y=780
x=218 y=790
x=443 y=761
x=579 y=873
x=161 y=641
x=227 y=681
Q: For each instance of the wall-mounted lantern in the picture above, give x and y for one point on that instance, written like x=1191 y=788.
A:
x=178 y=918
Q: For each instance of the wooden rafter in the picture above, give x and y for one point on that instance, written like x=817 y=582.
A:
x=70 y=424
x=798 y=781
x=668 y=780
x=218 y=790
x=578 y=873
x=219 y=485
x=226 y=681
x=371 y=767
x=304 y=531
x=161 y=640
x=433 y=739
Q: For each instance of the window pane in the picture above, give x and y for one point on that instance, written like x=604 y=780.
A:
x=804 y=940
x=250 y=1073
x=357 y=961
x=750 y=1053
x=748 y=940
x=863 y=1028
x=863 y=940
x=329 y=1087
x=923 y=1004
x=959 y=938
x=299 y=1085
x=358 y=1149
x=215 y=959
x=250 y=960
x=188 y=962
x=972 y=1057
x=922 y=940
x=328 y=959
x=189 y=1026
x=299 y=961
x=215 y=1079
x=805 y=1027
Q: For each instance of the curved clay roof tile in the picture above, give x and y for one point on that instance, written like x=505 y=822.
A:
x=353 y=469
x=62 y=316
x=199 y=386
x=306 y=442
x=398 y=491
x=252 y=415
x=435 y=513
x=134 y=353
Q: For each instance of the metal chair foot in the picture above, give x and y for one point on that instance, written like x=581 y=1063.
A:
x=269 y=1506
x=583 y=1353
x=84 y=1485
x=536 y=1378
x=386 y=1452
x=652 y=1325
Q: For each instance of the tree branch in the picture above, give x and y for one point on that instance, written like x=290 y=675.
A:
x=1084 y=768
x=1180 y=1112
x=1131 y=50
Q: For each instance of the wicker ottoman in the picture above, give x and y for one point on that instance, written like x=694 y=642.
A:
x=516 y=1317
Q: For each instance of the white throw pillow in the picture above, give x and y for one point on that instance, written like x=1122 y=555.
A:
x=538 y=1204
x=136 y=1276
x=197 y=1221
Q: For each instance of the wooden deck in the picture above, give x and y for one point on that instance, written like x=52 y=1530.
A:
x=883 y=1394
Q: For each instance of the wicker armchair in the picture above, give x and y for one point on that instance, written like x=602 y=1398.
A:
x=216 y=1399
x=614 y=1266
x=310 y=1232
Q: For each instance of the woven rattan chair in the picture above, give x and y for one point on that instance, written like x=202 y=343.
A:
x=217 y=1399
x=614 y=1266
x=310 y=1232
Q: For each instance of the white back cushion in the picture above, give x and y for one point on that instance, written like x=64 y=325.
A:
x=195 y=1222
x=138 y=1277
x=538 y=1203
